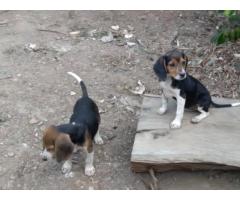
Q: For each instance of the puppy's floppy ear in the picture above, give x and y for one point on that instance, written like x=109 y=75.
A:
x=63 y=147
x=160 y=68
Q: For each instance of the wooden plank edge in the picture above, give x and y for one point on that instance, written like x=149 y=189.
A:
x=145 y=167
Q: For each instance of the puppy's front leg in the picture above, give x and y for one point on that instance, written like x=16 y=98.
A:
x=67 y=166
x=163 y=107
x=176 y=123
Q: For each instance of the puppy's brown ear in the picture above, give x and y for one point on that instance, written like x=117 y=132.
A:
x=63 y=147
x=160 y=68
x=49 y=137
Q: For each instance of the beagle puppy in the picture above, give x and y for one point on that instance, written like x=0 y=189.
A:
x=60 y=141
x=177 y=83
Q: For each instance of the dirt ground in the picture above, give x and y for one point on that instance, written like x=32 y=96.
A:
x=39 y=47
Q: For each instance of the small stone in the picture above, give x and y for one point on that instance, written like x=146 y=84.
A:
x=72 y=93
x=19 y=75
x=115 y=28
x=128 y=36
x=11 y=154
x=69 y=175
x=200 y=52
x=33 y=121
x=130 y=28
x=74 y=33
x=131 y=44
x=101 y=101
x=40 y=123
x=24 y=145
x=211 y=62
x=236 y=55
x=108 y=38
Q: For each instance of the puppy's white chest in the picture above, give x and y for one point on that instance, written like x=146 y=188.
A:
x=167 y=88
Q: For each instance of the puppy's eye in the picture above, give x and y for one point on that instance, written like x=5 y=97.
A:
x=171 y=65
x=184 y=63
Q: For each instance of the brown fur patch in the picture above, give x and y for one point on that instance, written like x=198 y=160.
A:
x=88 y=143
x=49 y=138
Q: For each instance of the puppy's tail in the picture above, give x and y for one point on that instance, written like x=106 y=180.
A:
x=224 y=105
x=80 y=81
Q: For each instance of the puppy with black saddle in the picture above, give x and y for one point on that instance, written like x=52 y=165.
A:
x=60 y=141
x=176 y=83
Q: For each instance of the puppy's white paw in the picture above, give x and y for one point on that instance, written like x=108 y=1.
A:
x=89 y=170
x=98 y=140
x=162 y=110
x=67 y=167
x=195 y=120
x=175 y=124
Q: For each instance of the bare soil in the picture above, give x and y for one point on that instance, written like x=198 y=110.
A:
x=37 y=50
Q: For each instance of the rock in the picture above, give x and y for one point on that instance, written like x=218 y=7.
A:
x=69 y=175
x=74 y=33
x=108 y=38
x=115 y=28
x=40 y=123
x=31 y=47
x=236 y=55
x=24 y=145
x=72 y=93
x=130 y=28
x=33 y=121
x=128 y=35
x=10 y=154
x=211 y=62
x=131 y=44
x=200 y=51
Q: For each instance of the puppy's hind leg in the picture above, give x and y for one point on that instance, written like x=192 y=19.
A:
x=89 y=168
x=203 y=114
x=98 y=139
x=163 y=107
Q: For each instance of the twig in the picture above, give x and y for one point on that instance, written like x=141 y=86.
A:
x=152 y=95
x=155 y=180
x=51 y=31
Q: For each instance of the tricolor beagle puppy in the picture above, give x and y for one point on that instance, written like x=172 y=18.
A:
x=177 y=83
x=60 y=141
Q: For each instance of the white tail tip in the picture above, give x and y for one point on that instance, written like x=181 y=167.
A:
x=235 y=104
x=75 y=76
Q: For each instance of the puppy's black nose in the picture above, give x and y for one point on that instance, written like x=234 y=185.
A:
x=44 y=159
x=182 y=75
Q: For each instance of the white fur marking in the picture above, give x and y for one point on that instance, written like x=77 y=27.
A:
x=46 y=155
x=200 y=117
x=235 y=104
x=163 y=107
x=176 y=123
x=89 y=168
x=98 y=139
x=75 y=76
x=67 y=166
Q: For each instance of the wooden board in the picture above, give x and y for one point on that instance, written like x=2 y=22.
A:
x=214 y=143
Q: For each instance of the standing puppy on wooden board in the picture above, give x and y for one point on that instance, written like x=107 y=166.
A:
x=59 y=141
x=177 y=83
